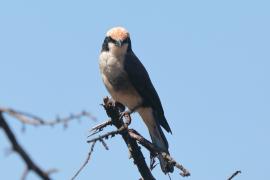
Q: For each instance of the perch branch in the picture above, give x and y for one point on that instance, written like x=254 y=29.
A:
x=131 y=138
x=155 y=150
x=114 y=112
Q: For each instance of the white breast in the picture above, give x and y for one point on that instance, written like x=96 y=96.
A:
x=128 y=96
x=107 y=60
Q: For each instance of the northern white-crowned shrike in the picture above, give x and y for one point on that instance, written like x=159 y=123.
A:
x=128 y=82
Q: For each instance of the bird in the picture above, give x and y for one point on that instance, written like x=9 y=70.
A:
x=128 y=83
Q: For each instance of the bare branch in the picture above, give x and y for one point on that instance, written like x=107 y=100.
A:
x=234 y=174
x=144 y=142
x=86 y=161
x=22 y=153
x=105 y=136
x=30 y=119
x=147 y=144
x=98 y=128
x=114 y=113
x=104 y=144
x=131 y=137
x=155 y=150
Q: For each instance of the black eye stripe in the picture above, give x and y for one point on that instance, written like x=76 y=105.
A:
x=109 y=39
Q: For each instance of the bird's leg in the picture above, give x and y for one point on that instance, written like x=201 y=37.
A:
x=152 y=161
x=127 y=118
x=127 y=114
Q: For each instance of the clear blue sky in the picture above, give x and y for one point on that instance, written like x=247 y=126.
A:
x=209 y=62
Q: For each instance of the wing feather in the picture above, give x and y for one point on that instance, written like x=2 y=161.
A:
x=141 y=81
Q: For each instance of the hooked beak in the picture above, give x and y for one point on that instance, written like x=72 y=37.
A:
x=118 y=43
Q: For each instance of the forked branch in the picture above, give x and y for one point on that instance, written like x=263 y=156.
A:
x=131 y=138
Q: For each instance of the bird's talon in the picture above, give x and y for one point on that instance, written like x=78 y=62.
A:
x=127 y=117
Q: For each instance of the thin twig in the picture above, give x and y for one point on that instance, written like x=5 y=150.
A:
x=86 y=161
x=30 y=119
x=106 y=136
x=234 y=174
x=98 y=128
x=104 y=144
x=144 y=142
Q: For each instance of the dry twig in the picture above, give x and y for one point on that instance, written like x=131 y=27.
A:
x=114 y=112
x=98 y=128
x=31 y=165
x=30 y=119
x=131 y=137
x=86 y=161
x=234 y=174
x=155 y=150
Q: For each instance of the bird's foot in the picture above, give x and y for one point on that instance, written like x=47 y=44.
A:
x=153 y=163
x=127 y=113
x=127 y=117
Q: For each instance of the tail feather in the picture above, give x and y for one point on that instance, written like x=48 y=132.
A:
x=159 y=139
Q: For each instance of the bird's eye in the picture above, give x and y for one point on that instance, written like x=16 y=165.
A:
x=111 y=40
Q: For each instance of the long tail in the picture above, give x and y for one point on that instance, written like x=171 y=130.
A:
x=159 y=139
x=157 y=135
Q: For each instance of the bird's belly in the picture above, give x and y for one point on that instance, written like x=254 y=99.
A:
x=126 y=94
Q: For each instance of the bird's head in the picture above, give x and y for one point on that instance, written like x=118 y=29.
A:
x=117 y=40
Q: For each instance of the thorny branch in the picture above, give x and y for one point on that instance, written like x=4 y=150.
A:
x=131 y=137
x=30 y=119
